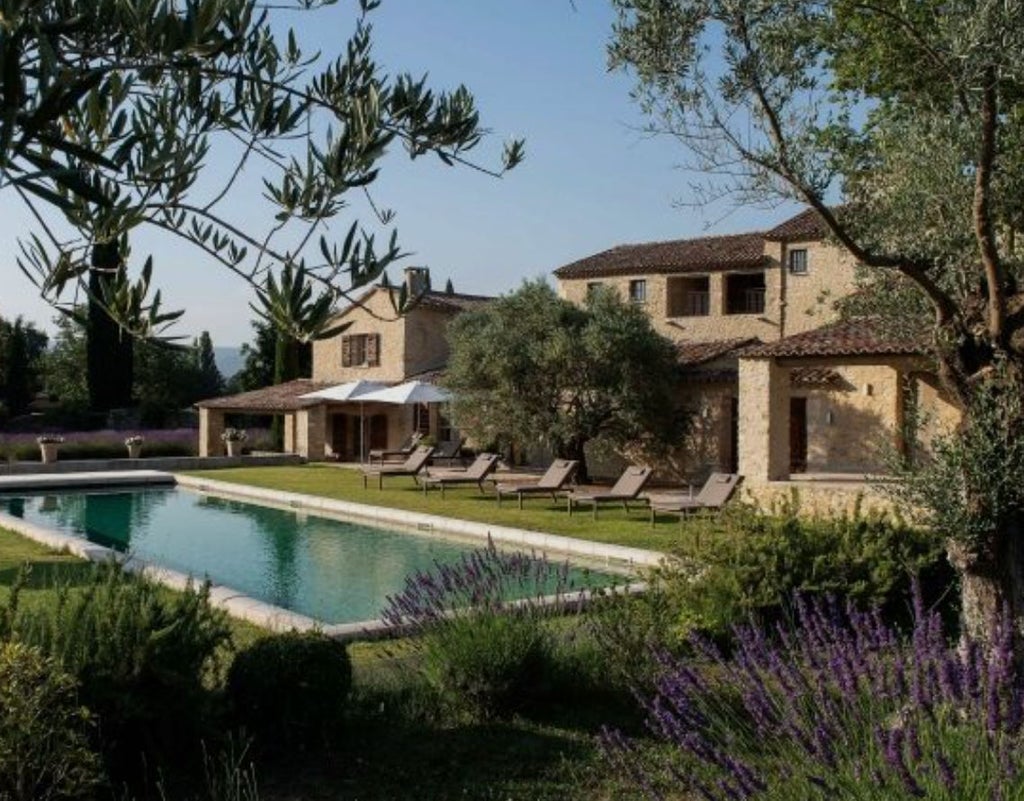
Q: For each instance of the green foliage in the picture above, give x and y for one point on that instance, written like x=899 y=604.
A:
x=534 y=368
x=22 y=351
x=209 y=381
x=140 y=655
x=290 y=690
x=750 y=566
x=488 y=665
x=64 y=364
x=16 y=379
x=260 y=358
x=967 y=482
x=44 y=732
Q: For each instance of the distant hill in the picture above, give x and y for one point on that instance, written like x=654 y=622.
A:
x=229 y=360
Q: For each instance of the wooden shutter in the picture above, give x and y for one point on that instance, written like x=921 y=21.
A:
x=346 y=351
x=373 y=349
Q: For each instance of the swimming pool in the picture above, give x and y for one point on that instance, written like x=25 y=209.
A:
x=332 y=570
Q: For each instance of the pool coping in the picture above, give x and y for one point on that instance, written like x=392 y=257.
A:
x=276 y=618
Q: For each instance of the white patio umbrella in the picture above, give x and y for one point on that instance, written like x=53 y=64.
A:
x=409 y=393
x=350 y=391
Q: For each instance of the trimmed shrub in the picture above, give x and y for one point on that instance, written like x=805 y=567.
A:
x=140 y=654
x=760 y=562
x=44 y=744
x=488 y=664
x=483 y=654
x=290 y=690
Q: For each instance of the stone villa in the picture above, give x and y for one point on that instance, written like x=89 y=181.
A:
x=779 y=387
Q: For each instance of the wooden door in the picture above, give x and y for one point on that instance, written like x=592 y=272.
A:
x=378 y=437
x=339 y=436
x=797 y=435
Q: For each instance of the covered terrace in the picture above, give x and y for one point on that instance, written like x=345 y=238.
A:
x=839 y=428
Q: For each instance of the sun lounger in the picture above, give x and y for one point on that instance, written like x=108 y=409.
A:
x=476 y=473
x=712 y=497
x=626 y=489
x=403 y=451
x=410 y=467
x=553 y=481
x=448 y=452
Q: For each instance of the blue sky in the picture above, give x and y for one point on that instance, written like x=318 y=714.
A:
x=591 y=179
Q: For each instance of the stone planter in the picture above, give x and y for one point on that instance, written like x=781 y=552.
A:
x=234 y=447
x=48 y=450
x=135 y=451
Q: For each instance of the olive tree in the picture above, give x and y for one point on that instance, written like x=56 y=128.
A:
x=113 y=113
x=535 y=369
x=900 y=125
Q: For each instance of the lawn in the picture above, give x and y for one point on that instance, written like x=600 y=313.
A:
x=614 y=524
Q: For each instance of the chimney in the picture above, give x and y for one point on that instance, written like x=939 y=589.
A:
x=417 y=280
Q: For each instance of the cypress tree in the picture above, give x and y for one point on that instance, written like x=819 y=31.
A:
x=109 y=350
x=17 y=393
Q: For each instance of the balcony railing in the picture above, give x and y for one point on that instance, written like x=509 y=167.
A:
x=696 y=304
x=746 y=301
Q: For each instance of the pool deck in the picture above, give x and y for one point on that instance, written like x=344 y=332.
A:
x=616 y=557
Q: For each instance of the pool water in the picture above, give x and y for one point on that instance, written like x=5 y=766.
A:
x=334 y=571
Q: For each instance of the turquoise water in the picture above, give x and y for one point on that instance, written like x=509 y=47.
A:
x=334 y=571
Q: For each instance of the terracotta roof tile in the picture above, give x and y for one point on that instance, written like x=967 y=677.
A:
x=691 y=354
x=735 y=252
x=858 y=337
x=279 y=398
x=816 y=377
x=805 y=225
x=454 y=303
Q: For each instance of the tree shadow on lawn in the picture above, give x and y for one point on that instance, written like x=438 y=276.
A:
x=386 y=760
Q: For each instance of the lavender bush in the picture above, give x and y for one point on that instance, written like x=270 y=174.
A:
x=484 y=653
x=841 y=707
x=110 y=443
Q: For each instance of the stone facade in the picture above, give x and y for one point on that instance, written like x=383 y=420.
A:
x=374 y=315
x=793 y=303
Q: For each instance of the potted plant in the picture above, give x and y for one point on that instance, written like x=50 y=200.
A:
x=48 y=444
x=134 y=445
x=233 y=439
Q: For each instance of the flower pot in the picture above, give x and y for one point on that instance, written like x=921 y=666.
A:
x=234 y=447
x=135 y=451
x=48 y=451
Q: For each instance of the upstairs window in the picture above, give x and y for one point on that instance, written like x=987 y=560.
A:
x=592 y=287
x=360 y=350
x=744 y=293
x=798 y=262
x=638 y=291
x=689 y=296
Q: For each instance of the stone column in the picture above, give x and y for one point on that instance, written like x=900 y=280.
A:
x=211 y=426
x=288 y=424
x=763 y=421
x=310 y=429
